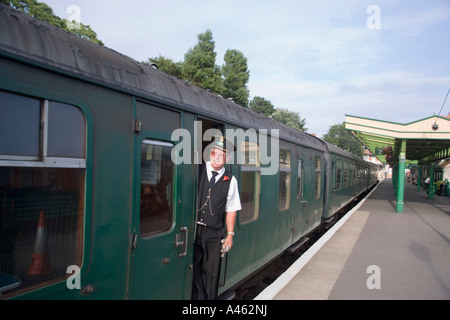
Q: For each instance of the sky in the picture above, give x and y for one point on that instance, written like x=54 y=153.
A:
x=385 y=60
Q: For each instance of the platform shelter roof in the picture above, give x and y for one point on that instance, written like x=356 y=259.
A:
x=427 y=140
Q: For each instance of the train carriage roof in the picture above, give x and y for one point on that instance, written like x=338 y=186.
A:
x=38 y=43
x=335 y=149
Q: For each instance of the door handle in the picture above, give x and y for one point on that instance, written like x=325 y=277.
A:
x=180 y=243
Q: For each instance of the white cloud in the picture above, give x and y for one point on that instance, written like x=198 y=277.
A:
x=412 y=21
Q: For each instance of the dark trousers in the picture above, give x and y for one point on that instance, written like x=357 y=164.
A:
x=206 y=263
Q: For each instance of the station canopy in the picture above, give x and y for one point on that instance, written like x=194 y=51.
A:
x=427 y=140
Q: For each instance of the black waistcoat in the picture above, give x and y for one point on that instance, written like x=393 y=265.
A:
x=211 y=210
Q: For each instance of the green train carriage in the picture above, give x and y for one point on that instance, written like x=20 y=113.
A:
x=349 y=177
x=88 y=182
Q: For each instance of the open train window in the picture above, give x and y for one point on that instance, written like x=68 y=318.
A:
x=42 y=188
x=284 y=193
x=250 y=191
x=157 y=176
x=205 y=131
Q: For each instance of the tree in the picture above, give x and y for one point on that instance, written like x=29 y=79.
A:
x=290 y=118
x=82 y=30
x=167 y=65
x=236 y=76
x=339 y=136
x=36 y=9
x=199 y=66
x=262 y=106
x=45 y=13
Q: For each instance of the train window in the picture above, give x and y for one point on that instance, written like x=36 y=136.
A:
x=345 y=175
x=250 y=154
x=157 y=176
x=300 y=179
x=333 y=174
x=318 y=177
x=41 y=201
x=20 y=122
x=65 y=123
x=339 y=175
x=250 y=182
x=284 y=193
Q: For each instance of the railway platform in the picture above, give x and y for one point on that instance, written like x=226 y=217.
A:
x=374 y=252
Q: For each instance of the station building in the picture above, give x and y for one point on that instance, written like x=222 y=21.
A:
x=425 y=141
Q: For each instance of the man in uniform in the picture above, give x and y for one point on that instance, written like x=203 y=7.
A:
x=218 y=202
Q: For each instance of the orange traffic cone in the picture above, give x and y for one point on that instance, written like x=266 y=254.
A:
x=40 y=261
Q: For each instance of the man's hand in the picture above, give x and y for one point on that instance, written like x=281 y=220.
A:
x=227 y=243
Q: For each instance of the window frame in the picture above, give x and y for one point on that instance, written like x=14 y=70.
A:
x=338 y=184
x=317 y=177
x=286 y=170
x=43 y=160
x=254 y=167
x=146 y=235
x=346 y=177
x=300 y=178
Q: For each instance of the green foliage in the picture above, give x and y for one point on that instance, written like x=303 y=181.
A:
x=262 y=106
x=199 y=66
x=45 y=13
x=290 y=118
x=36 y=9
x=167 y=65
x=236 y=76
x=284 y=116
x=82 y=30
x=339 y=136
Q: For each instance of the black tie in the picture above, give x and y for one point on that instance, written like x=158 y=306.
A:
x=213 y=178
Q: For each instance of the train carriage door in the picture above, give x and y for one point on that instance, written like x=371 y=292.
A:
x=300 y=185
x=160 y=236
x=205 y=130
x=305 y=190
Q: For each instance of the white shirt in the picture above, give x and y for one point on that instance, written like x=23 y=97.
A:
x=233 y=199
